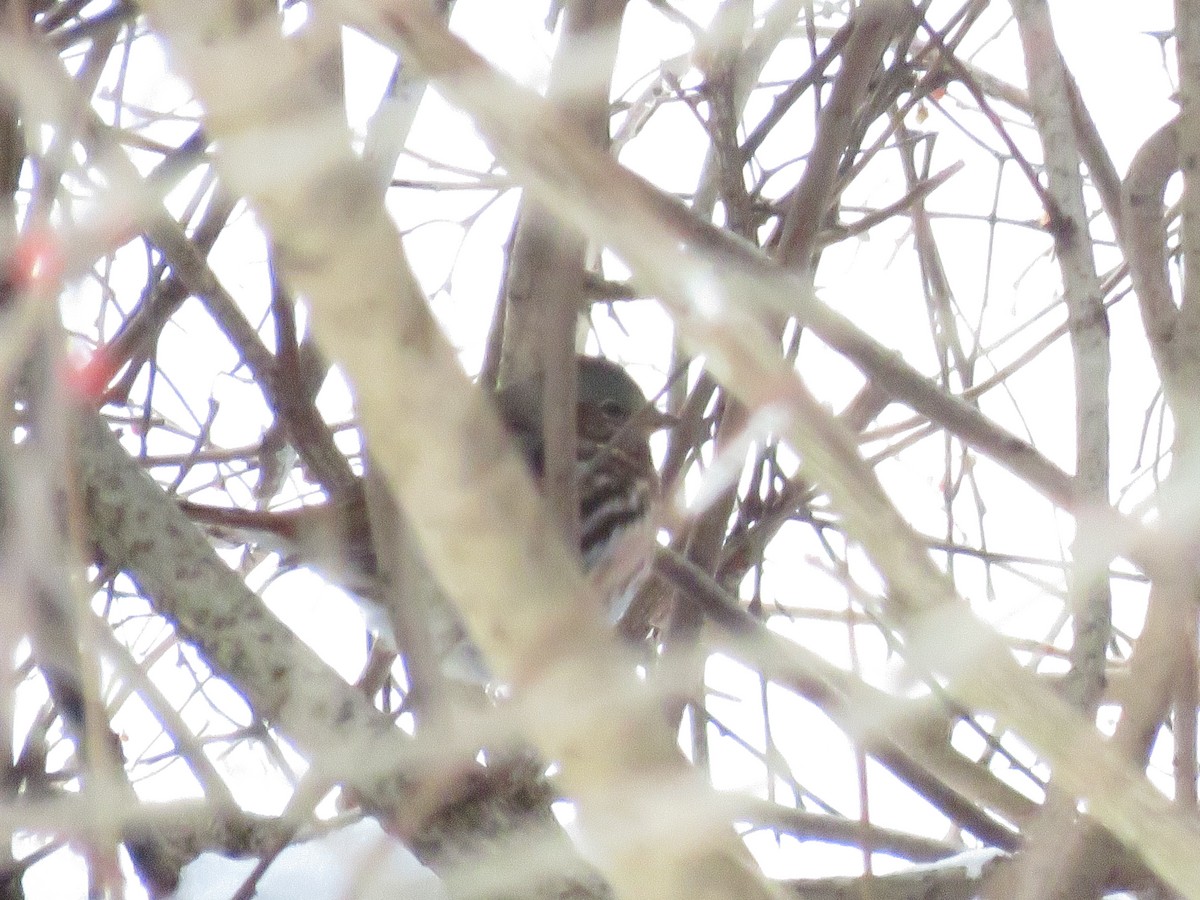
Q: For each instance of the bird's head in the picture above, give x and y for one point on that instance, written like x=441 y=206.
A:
x=606 y=389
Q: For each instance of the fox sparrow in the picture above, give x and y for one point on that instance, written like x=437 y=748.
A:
x=616 y=475
x=617 y=484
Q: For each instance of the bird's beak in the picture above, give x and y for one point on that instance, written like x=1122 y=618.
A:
x=653 y=419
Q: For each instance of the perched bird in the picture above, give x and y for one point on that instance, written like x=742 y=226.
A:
x=616 y=477
x=615 y=471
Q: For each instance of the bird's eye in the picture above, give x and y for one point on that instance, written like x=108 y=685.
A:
x=611 y=408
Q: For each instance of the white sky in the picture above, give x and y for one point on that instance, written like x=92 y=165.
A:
x=1122 y=78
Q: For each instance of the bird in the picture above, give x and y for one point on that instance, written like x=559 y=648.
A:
x=615 y=471
x=617 y=481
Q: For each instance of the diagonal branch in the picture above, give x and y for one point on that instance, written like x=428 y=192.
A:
x=442 y=450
